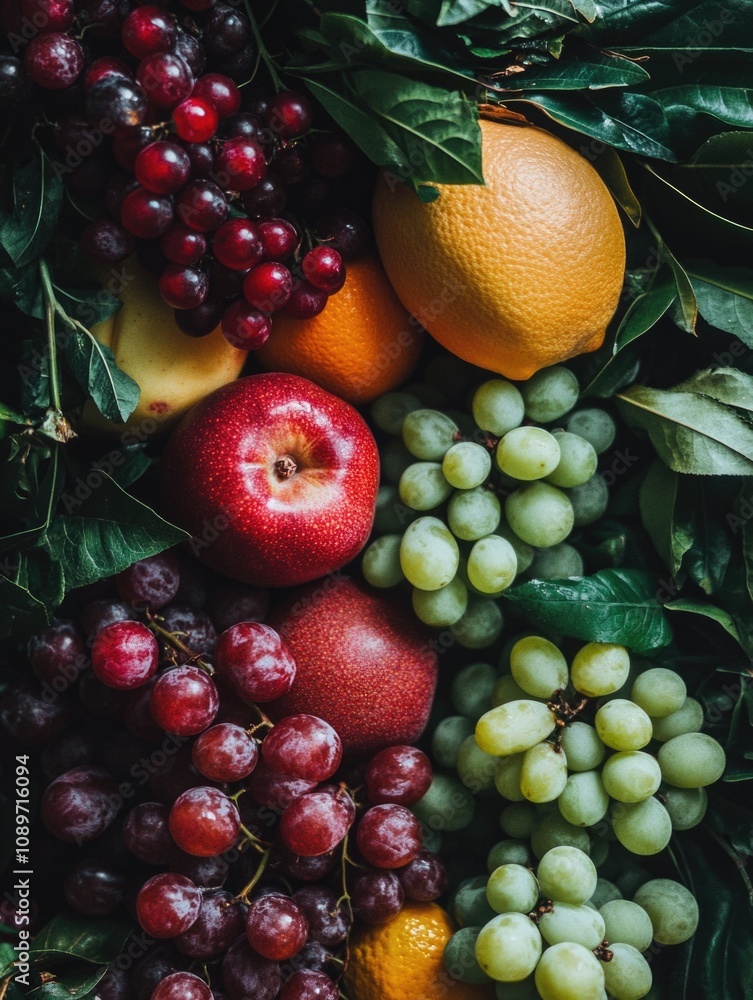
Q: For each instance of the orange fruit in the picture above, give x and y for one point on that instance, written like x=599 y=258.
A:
x=515 y=275
x=361 y=345
x=402 y=960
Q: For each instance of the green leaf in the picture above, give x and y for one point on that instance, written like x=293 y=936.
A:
x=115 y=394
x=436 y=130
x=21 y=613
x=406 y=40
x=732 y=105
x=658 y=504
x=88 y=306
x=645 y=312
x=109 y=531
x=692 y=28
x=688 y=309
x=691 y=433
x=67 y=935
x=726 y=385
x=708 y=556
x=590 y=71
x=613 y=605
x=37 y=198
x=71 y=985
x=457 y=11
x=697 y=607
x=612 y=172
x=734 y=598
x=724 y=296
x=626 y=120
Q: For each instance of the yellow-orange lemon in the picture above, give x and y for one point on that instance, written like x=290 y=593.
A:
x=514 y=275
x=402 y=959
x=361 y=345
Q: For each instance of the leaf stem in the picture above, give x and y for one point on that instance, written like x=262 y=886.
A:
x=266 y=58
x=51 y=308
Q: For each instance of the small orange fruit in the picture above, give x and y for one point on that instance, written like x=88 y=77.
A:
x=361 y=345
x=527 y=269
x=402 y=960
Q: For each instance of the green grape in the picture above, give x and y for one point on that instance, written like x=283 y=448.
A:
x=509 y=852
x=631 y=879
x=622 y=725
x=589 y=501
x=659 y=692
x=578 y=460
x=518 y=820
x=567 y=874
x=512 y=889
x=642 y=827
x=381 y=562
x=448 y=737
x=390 y=410
x=672 y=908
x=480 y=625
x=506 y=690
x=543 y=774
x=466 y=465
x=514 y=727
x=599 y=849
x=631 y=775
x=394 y=459
x=497 y=406
x=391 y=516
x=568 y=971
x=471 y=514
x=509 y=947
x=440 y=608
x=471 y=689
x=605 y=892
x=524 y=553
x=527 y=453
x=550 y=394
x=540 y=514
x=538 y=667
x=429 y=555
x=686 y=806
x=553 y=830
x=584 y=800
x=469 y=904
x=556 y=563
x=475 y=768
x=525 y=989
x=594 y=425
x=507 y=777
x=581 y=743
x=687 y=719
x=599 y=668
x=492 y=564
x=572 y=922
x=692 y=760
x=423 y=486
x=627 y=974
x=626 y=922
x=429 y=434
x=447 y=805
x=460 y=957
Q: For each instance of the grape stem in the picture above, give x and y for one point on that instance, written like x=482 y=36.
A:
x=258 y=845
x=536 y=914
x=564 y=712
x=265 y=56
x=603 y=953
x=172 y=639
x=245 y=892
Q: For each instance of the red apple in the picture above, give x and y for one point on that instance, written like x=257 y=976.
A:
x=275 y=478
x=364 y=663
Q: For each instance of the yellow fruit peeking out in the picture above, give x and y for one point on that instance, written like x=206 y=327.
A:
x=403 y=959
x=529 y=266
x=173 y=370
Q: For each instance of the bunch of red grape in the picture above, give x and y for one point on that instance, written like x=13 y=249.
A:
x=241 y=846
x=211 y=182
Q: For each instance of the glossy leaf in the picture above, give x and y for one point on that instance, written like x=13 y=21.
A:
x=109 y=531
x=732 y=105
x=37 y=199
x=583 y=72
x=659 y=515
x=404 y=39
x=114 y=393
x=645 y=312
x=630 y=121
x=437 y=131
x=612 y=172
x=687 y=307
x=724 y=296
x=75 y=984
x=695 y=606
x=613 y=605
x=726 y=385
x=98 y=941
x=690 y=432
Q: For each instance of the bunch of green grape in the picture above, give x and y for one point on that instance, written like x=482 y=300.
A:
x=472 y=501
x=558 y=932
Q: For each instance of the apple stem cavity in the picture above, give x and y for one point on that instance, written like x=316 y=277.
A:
x=285 y=467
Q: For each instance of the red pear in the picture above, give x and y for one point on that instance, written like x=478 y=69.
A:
x=365 y=664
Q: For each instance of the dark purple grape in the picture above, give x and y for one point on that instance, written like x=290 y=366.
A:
x=95 y=888
x=152 y=582
x=220 y=922
x=206 y=873
x=231 y=603
x=150 y=970
x=194 y=628
x=104 y=18
x=424 y=878
x=114 y=985
x=201 y=320
x=58 y=654
x=309 y=869
x=376 y=896
x=328 y=920
x=146 y=834
x=80 y=804
x=226 y=32
x=308 y=984
x=71 y=750
x=14 y=83
x=245 y=974
x=117 y=101
x=344 y=231
x=189 y=48
x=34 y=715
